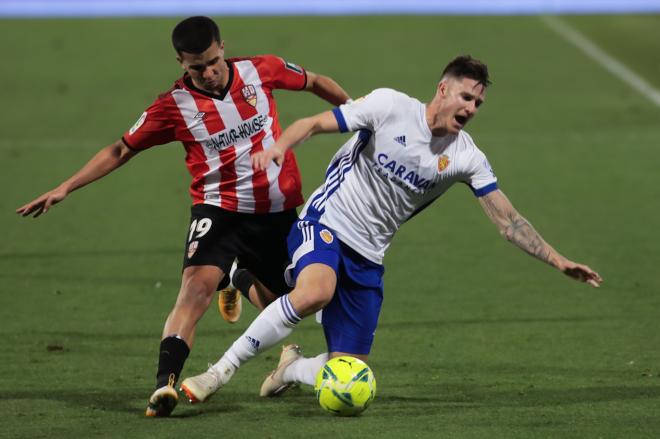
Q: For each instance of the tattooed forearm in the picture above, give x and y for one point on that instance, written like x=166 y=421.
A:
x=517 y=229
x=520 y=232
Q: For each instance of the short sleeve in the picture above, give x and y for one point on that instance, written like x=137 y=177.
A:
x=276 y=72
x=154 y=127
x=481 y=179
x=367 y=112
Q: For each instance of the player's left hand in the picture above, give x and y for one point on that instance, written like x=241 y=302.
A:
x=582 y=273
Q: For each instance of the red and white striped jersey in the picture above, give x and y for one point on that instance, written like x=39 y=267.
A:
x=221 y=132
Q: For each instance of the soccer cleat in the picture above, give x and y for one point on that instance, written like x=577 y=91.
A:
x=229 y=303
x=163 y=400
x=274 y=384
x=200 y=387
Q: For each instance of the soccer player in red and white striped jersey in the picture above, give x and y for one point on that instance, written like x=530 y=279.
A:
x=223 y=112
x=222 y=127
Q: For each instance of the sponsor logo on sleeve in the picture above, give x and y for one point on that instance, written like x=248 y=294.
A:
x=138 y=124
x=249 y=94
x=293 y=67
x=443 y=162
x=326 y=236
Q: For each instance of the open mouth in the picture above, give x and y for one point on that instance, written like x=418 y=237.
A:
x=460 y=119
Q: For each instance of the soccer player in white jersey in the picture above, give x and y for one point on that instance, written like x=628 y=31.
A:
x=223 y=112
x=405 y=155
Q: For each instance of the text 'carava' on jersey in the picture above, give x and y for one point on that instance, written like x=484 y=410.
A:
x=406 y=178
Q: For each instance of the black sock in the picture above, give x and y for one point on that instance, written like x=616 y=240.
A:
x=224 y=283
x=173 y=353
x=243 y=280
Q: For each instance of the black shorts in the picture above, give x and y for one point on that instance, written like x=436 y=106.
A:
x=217 y=236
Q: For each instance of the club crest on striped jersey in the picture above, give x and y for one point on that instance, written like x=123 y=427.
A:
x=249 y=94
x=138 y=124
x=326 y=236
x=192 y=248
x=443 y=162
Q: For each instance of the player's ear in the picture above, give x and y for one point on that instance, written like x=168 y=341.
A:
x=222 y=44
x=442 y=88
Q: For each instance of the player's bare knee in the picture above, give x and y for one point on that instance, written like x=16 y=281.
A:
x=311 y=297
x=322 y=296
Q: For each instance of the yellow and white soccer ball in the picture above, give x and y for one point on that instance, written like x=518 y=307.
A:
x=345 y=386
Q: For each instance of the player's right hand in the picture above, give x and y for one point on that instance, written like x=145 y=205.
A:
x=42 y=203
x=262 y=159
x=582 y=273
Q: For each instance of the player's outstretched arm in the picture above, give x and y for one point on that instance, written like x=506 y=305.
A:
x=296 y=133
x=105 y=161
x=326 y=88
x=519 y=231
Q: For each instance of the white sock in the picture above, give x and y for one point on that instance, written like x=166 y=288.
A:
x=304 y=370
x=224 y=369
x=270 y=327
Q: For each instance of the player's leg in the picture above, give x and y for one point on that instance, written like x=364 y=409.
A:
x=293 y=368
x=315 y=287
x=204 y=266
x=230 y=303
x=349 y=323
x=314 y=267
x=270 y=327
x=270 y=256
x=198 y=286
x=242 y=283
x=263 y=257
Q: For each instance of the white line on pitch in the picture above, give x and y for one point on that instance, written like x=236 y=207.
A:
x=597 y=54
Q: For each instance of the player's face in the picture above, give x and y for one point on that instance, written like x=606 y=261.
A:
x=460 y=99
x=208 y=69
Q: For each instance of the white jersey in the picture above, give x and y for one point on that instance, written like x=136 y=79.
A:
x=390 y=170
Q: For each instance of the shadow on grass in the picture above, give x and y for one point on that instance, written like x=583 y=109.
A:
x=441 y=322
x=301 y=403
x=453 y=398
x=470 y=397
x=123 y=400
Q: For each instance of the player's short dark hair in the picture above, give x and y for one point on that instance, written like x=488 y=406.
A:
x=195 y=35
x=465 y=66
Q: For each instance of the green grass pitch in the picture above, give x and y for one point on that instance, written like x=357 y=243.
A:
x=477 y=340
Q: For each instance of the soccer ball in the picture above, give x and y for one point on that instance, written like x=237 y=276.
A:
x=345 y=386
